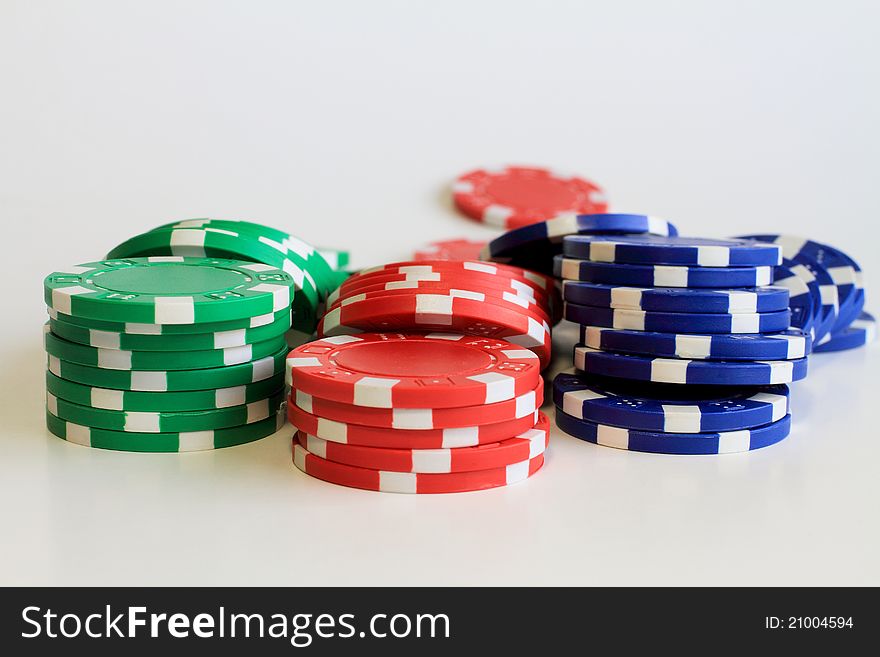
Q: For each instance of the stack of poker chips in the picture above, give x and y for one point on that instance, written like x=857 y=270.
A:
x=168 y=353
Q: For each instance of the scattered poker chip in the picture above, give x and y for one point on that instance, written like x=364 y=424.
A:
x=422 y=418
x=534 y=246
x=513 y=196
x=785 y=345
x=436 y=312
x=668 y=408
x=659 y=322
x=337 y=259
x=163 y=442
x=412 y=370
x=165 y=421
x=169 y=290
x=804 y=298
x=684 y=371
x=224 y=243
x=858 y=334
x=657 y=250
x=661 y=275
x=383 y=437
x=677 y=299
x=189 y=400
x=118 y=359
x=845 y=273
x=460 y=249
x=675 y=443
x=185 y=342
x=279 y=318
x=825 y=303
x=170 y=380
x=411 y=482
x=522 y=447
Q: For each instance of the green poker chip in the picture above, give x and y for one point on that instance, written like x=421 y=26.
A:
x=119 y=359
x=170 y=380
x=337 y=259
x=228 y=243
x=188 y=342
x=278 y=318
x=163 y=442
x=186 y=400
x=169 y=290
x=165 y=421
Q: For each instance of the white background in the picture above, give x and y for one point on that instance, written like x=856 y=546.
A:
x=344 y=122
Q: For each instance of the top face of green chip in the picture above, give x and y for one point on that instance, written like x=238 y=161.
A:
x=169 y=290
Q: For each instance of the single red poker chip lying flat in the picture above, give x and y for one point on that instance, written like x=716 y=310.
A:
x=411 y=482
x=413 y=370
x=422 y=418
x=522 y=447
x=515 y=196
x=460 y=249
x=358 y=434
x=436 y=312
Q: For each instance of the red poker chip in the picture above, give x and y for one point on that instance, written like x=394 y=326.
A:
x=512 y=197
x=358 y=434
x=538 y=281
x=522 y=447
x=460 y=249
x=509 y=300
x=437 y=312
x=411 y=482
x=413 y=370
x=422 y=418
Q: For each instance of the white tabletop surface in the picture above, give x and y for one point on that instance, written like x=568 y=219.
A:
x=345 y=123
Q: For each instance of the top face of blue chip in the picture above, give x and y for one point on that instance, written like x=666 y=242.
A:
x=665 y=250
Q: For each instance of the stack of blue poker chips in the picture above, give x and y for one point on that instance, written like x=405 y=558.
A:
x=685 y=345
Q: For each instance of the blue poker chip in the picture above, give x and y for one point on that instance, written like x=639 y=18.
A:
x=813 y=273
x=660 y=275
x=805 y=301
x=659 y=322
x=668 y=408
x=685 y=371
x=842 y=269
x=785 y=345
x=687 y=251
x=534 y=246
x=674 y=443
x=677 y=299
x=858 y=334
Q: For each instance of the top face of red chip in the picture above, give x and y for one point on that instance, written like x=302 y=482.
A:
x=518 y=196
x=413 y=370
x=460 y=249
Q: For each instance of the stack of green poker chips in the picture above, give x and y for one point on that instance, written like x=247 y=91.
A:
x=167 y=353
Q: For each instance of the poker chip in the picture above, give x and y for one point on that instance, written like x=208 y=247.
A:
x=436 y=312
x=675 y=443
x=384 y=437
x=684 y=371
x=858 y=334
x=185 y=342
x=258 y=321
x=534 y=246
x=677 y=299
x=118 y=359
x=162 y=442
x=804 y=298
x=422 y=418
x=413 y=370
x=411 y=482
x=337 y=259
x=657 y=250
x=515 y=196
x=460 y=249
x=661 y=275
x=170 y=380
x=169 y=290
x=189 y=400
x=784 y=345
x=668 y=408
x=165 y=421
x=825 y=304
x=659 y=322
x=522 y=447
